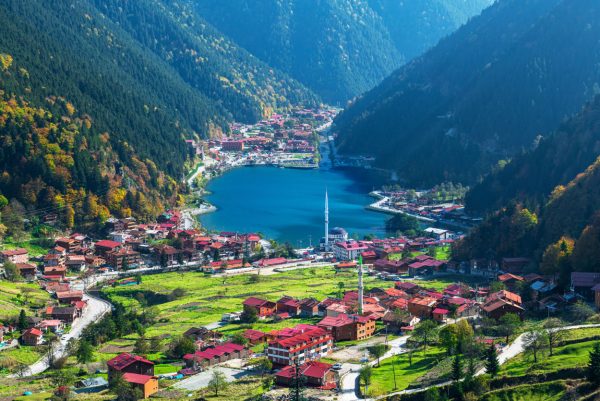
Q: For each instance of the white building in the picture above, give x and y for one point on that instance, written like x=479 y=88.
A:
x=348 y=250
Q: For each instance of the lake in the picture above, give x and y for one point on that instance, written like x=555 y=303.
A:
x=288 y=204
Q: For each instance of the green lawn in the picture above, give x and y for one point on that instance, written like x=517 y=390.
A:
x=17 y=296
x=163 y=368
x=382 y=381
x=441 y=282
x=33 y=245
x=267 y=326
x=23 y=354
x=568 y=356
x=550 y=391
x=207 y=298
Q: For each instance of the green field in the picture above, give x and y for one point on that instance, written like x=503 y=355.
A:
x=17 y=296
x=207 y=298
x=550 y=391
x=568 y=356
x=441 y=282
x=382 y=381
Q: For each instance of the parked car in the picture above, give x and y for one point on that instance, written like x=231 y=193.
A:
x=337 y=366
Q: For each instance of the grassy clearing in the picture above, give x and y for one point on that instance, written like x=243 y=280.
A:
x=23 y=354
x=550 y=391
x=441 y=282
x=242 y=389
x=582 y=333
x=17 y=296
x=422 y=361
x=207 y=298
x=35 y=246
x=568 y=356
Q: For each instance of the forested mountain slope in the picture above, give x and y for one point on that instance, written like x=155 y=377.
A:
x=555 y=199
x=55 y=160
x=138 y=77
x=113 y=60
x=482 y=94
x=530 y=177
x=338 y=48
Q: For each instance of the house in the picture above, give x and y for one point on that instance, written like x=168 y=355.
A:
x=305 y=343
x=348 y=250
x=58 y=272
x=421 y=307
x=66 y=297
x=104 y=246
x=313 y=373
x=510 y=280
x=271 y=262
x=32 y=337
x=288 y=305
x=407 y=287
x=123 y=258
x=147 y=384
x=255 y=336
x=53 y=325
x=66 y=314
x=91 y=385
x=440 y=314
x=76 y=263
x=437 y=233
x=19 y=255
x=584 y=282
x=202 y=334
x=309 y=307
x=262 y=307
x=502 y=302
x=514 y=265
x=395 y=320
x=215 y=355
x=27 y=270
x=348 y=327
x=129 y=363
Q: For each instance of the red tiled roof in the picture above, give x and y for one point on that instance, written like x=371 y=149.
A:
x=440 y=311
x=125 y=359
x=137 y=379
x=33 y=331
x=105 y=243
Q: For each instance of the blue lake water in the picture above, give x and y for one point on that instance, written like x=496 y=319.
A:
x=288 y=204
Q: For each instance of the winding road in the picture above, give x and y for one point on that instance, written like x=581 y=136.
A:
x=349 y=382
x=95 y=310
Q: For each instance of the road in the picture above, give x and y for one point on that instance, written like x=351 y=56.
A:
x=95 y=309
x=514 y=349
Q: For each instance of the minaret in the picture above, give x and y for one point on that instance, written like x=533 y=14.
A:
x=360 y=286
x=326 y=221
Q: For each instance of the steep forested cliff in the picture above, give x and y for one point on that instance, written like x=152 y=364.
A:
x=482 y=94
x=338 y=48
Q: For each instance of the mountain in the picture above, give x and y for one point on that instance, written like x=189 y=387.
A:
x=338 y=48
x=146 y=74
x=548 y=196
x=529 y=178
x=482 y=94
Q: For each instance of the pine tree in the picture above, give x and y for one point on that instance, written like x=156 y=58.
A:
x=457 y=372
x=22 y=324
x=593 y=368
x=492 y=365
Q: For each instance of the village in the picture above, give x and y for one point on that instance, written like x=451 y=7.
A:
x=286 y=141
x=375 y=299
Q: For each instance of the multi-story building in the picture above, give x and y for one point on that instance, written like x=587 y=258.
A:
x=348 y=250
x=123 y=258
x=305 y=344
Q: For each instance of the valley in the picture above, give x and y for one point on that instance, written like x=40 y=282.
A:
x=300 y=200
